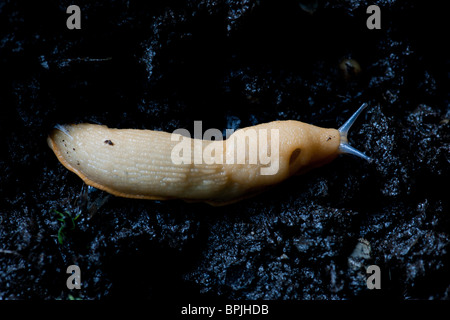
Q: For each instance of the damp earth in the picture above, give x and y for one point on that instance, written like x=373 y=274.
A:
x=162 y=65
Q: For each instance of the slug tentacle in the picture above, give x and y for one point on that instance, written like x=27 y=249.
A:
x=344 y=147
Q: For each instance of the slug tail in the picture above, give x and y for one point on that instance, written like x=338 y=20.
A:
x=344 y=146
x=63 y=128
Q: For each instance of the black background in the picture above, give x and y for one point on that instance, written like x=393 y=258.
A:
x=162 y=65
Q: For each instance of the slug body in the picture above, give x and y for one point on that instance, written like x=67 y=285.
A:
x=140 y=163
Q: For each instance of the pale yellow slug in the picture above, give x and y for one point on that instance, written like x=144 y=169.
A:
x=144 y=164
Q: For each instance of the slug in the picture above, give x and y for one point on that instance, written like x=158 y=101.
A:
x=146 y=164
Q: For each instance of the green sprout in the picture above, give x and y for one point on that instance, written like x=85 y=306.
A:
x=67 y=223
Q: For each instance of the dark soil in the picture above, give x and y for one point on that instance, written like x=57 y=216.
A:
x=164 y=64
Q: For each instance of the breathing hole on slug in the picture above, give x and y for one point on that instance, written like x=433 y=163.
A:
x=294 y=155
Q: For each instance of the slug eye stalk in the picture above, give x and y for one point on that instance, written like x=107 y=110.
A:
x=344 y=146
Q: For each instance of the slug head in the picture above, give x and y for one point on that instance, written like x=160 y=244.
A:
x=316 y=147
x=323 y=145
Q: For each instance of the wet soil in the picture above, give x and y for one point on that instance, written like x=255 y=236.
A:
x=164 y=64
